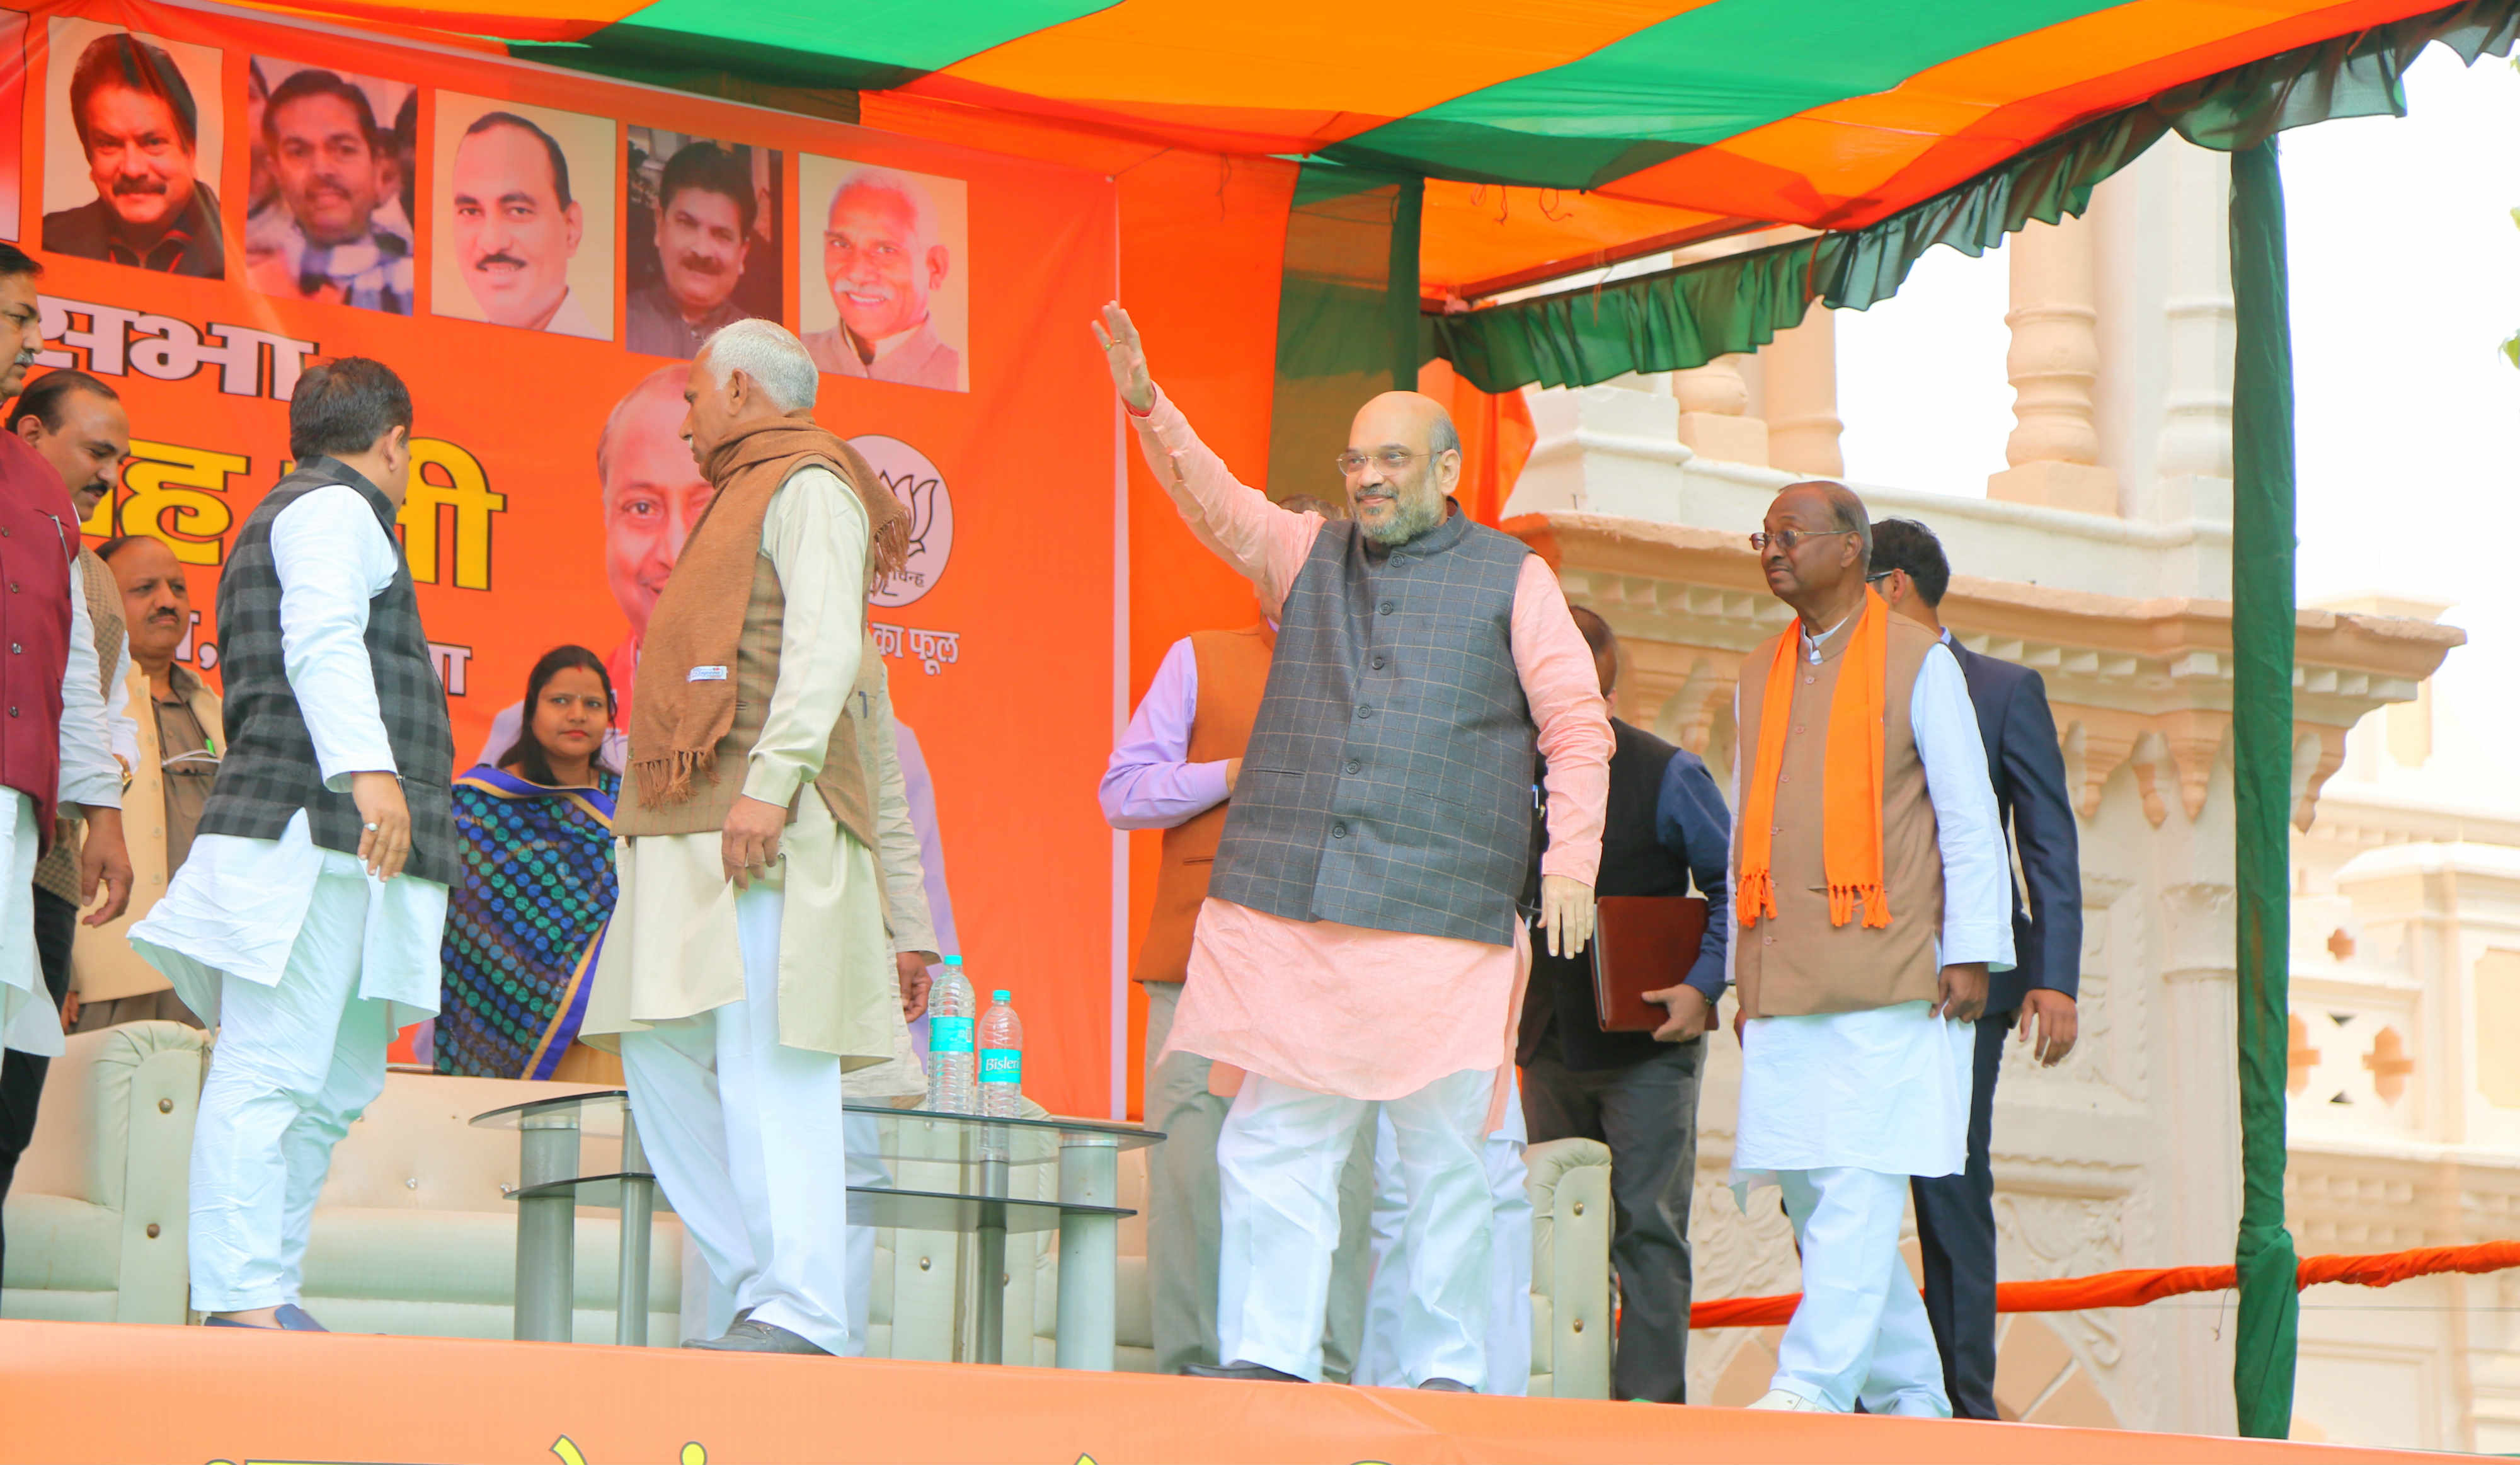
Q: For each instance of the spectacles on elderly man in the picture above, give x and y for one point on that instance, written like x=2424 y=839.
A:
x=1788 y=539
x=1393 y=460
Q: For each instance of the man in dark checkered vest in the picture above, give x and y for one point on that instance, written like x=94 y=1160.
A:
x=305 y=922
x=1362 y=941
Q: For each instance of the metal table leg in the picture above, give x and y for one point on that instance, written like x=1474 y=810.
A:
x=638 y=1208
x=1089 y=1252
x=547 y=1233
x=990 y=1346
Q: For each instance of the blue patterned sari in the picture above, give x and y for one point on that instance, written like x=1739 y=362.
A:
x=523 y=928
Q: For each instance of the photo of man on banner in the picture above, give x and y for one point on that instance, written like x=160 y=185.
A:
x=525 y=231
x=892 y=247
x=704 y=238
x=332 y=227
x=132 y=150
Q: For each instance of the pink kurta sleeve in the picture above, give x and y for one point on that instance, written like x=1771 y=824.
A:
x=1564 y=690
x=1265 y=542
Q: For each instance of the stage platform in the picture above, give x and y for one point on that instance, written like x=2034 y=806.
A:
x=74 y=1393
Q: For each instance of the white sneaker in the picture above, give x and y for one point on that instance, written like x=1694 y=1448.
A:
x=1780 y=1398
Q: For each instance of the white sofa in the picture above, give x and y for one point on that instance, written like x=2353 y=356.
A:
x=415 y=1234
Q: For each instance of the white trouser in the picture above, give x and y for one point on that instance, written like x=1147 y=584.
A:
x=746 y=1138
x=866 y=1168
x=1278 y=1160
x=1860 y=1328
x=708 y=1309
x=295 y=1065
x=1509 y=1342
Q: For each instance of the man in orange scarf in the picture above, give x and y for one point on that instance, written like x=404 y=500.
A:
x=1870 y=900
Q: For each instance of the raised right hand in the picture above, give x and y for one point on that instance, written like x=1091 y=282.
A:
x=1126 y=355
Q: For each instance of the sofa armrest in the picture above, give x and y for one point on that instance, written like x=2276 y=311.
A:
x=115 y=1132
x=1569 y=1184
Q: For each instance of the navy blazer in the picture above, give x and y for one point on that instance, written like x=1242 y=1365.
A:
x=2029 y=771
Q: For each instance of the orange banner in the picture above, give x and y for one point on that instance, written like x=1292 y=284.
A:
x=219 y=202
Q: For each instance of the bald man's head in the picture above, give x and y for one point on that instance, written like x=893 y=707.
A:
x=653 y=494
x=1818 y=540
x=1402 y=457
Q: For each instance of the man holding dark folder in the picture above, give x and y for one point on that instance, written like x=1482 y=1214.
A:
x=1636 y=1091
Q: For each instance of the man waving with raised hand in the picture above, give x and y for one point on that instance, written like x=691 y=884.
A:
x=1361 y=942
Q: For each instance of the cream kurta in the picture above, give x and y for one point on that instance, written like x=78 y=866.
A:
x=905 y=875
x=103 y=965
x=672 y=950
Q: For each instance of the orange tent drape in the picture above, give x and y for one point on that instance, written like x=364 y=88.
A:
x=1497 y=439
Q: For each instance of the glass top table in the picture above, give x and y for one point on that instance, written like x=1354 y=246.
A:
x=951 y=1173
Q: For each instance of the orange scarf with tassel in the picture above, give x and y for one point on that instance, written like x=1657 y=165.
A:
x=1850 y=781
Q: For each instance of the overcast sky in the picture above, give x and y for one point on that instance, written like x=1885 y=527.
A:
x=2406 y=274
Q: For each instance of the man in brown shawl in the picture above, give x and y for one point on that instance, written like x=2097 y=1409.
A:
x=748 y=967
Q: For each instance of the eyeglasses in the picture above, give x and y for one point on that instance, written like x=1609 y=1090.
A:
x=1393 y=460
x=1788 y=539
x=1878 y=575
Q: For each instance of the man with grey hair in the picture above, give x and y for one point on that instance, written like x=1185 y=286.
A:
x=748 y=964
x=1361 y=940
x=882 y=259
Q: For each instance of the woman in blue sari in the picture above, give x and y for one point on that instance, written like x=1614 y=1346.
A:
x=523 y=928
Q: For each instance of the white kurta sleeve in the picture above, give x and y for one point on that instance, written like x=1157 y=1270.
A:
x=815 y=535
x=1732 y=858
x=119 y=723
x=905 y=875
x=331 y=559
x=90 y=777
x=1977 y=876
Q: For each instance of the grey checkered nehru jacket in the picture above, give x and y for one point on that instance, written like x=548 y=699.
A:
x=1387 y=783
x=269 y=773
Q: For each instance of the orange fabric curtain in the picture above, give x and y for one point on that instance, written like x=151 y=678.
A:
x=2135 y=1287
x=1497 y=439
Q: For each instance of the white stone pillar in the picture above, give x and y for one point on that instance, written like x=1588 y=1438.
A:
x=1802 y=397
x=1715 y=413
x=2193 y=452
x=2055 y=447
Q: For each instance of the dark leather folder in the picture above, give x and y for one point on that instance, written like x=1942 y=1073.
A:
x=1643 y=944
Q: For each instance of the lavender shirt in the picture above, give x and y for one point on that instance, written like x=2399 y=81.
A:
x=1150 y=783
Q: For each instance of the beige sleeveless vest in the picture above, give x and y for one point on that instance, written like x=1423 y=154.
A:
x=1795 y=963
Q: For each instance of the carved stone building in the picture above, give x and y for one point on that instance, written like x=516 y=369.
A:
x=2101 y=556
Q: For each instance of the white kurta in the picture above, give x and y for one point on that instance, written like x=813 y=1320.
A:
x=1888 y=1089
x=905 y=879
x=92 y=732
x=238 y=903
x=670 y=952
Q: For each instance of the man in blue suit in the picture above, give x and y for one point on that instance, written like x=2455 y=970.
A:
x=1956 y=1214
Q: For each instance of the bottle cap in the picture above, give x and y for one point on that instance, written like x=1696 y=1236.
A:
x=952 y=961
x=1002 y=996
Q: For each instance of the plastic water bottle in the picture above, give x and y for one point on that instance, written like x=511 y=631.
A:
x=1001 y=1086
x=952 y=1076
x=1000 y=1059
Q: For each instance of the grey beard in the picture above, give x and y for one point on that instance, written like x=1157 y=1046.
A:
x=1407 y=523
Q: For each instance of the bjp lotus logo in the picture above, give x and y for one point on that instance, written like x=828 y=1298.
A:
x=914 y=480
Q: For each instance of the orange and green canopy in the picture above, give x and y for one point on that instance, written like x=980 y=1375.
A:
x=1559 y=133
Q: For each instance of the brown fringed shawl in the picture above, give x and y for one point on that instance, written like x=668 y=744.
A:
x=676 y=722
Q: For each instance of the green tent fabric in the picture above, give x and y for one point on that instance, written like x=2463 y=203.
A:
x=1347 y=315
x=2261 y=655
x=1679 y=318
